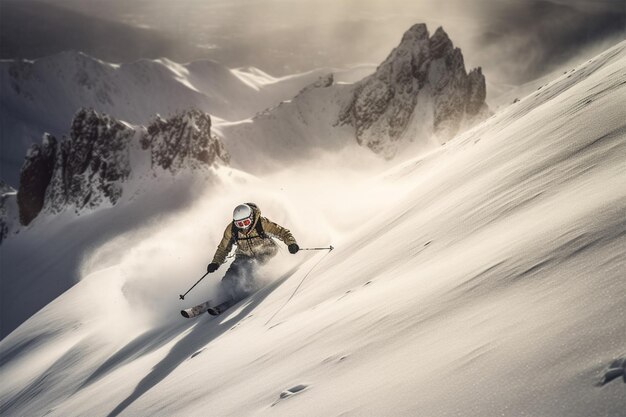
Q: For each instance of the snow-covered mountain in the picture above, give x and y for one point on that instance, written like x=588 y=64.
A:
x=54 y=87
x=418 y=98
x=43 y=95
x=93 y=166
x=420 y=95
x=482 y=278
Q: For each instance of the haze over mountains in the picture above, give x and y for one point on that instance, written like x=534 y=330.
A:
x=35 y=29
x=513 y=41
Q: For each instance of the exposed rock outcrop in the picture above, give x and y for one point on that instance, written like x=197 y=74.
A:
x=420 y=89
x=91 y=166
x=7 y=201
x=322 y=82
x=182 y=141
x=35 y=176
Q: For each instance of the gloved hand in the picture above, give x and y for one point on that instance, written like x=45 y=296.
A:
x=293 y=248
x=212 y=267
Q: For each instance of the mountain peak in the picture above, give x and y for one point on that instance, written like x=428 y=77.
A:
x=418 y=31
x=422 y=88
x=440 y=43
x=183 y=140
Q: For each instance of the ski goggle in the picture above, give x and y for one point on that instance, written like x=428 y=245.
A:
x=242 y=224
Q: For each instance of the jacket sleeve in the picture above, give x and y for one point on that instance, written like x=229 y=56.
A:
x=277 y=231
x=223 y=249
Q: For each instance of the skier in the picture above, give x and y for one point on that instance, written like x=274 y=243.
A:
x=252 y=234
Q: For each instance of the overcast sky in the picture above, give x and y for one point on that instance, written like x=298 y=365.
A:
x=513 y=40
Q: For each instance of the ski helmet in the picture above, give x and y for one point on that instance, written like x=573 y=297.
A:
x=242 y=216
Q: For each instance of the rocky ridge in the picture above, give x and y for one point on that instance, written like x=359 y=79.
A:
x=422 y=88
x=91 y=167
x=7 y=196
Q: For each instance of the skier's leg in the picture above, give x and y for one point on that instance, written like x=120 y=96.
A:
x=247 y=278
x=236 y=282
x=239 y=280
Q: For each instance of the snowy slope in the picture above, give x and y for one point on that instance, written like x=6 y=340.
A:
x=483 y=278
x=295 y=130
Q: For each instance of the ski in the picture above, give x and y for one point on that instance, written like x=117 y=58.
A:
x=195 y=311
x=220 y=308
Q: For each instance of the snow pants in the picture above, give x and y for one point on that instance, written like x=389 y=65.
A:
x=238 y=281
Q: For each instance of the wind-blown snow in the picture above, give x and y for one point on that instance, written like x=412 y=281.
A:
x=483 y=278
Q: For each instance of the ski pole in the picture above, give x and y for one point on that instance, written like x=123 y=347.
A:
x=182 y=296
x=328 y=248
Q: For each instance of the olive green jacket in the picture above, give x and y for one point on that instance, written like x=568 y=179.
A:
x=249 y=243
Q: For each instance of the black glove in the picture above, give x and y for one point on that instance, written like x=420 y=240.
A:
x=293 y=248
x=212 y=267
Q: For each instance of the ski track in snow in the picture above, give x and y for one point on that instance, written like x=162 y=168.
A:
x=490 y=283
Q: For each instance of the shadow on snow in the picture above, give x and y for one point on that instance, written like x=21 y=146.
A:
x=199 y=337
